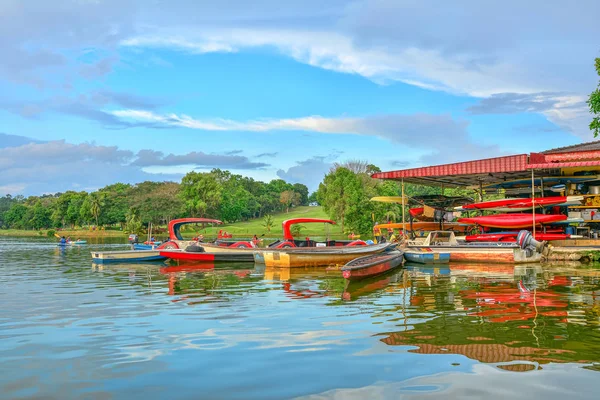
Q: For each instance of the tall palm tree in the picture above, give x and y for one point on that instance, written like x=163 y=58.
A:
x=96 y=207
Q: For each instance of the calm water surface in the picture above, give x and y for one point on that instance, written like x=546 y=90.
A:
x=70 y=329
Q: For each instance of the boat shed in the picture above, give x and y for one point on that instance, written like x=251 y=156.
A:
x=475 y=173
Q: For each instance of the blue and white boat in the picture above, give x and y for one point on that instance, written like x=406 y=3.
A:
x=426 y=257
x=126 y=256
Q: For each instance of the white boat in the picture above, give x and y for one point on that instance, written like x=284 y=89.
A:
x=102 y=257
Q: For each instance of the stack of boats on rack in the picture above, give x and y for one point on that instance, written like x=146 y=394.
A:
x=427 y=213
x=525 y=250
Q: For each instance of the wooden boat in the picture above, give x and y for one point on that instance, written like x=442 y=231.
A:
x=375 y=264
x=126 y=256
x=426 y=257
x=205 y=257
x=508 y=205
x=319 y=256
x=512 y=220
x=499 y=252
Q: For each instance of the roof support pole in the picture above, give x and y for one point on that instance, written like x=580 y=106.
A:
x=480 y=191
x=403 y=217
x=533 y=199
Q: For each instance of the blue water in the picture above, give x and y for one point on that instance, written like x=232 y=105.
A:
x=73 y=330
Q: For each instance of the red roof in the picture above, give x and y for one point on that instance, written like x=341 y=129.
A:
x=488 y=165
x=498 y=169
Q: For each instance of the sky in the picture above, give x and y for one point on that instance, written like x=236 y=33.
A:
x=94 y=92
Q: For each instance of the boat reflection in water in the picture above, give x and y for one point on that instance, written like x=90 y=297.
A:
x=515 y=317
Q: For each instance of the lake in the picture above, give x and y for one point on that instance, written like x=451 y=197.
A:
x=73 y=330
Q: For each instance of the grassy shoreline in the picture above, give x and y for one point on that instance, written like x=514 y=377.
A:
x=244 y=229
x=68 y=232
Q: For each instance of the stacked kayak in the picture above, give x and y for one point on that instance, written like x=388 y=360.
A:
x=509 y=205
x=513 y=220
x=512 y=237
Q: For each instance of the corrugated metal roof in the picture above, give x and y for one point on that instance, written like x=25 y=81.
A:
x=589 y=146
x=494 y=170
x=595 y=163
x=485 y=166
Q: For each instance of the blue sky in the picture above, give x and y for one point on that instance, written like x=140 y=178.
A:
x=94 y=92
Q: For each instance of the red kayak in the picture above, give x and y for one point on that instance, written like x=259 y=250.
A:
x=509 y=237
x=521 y=204
x=512 y=220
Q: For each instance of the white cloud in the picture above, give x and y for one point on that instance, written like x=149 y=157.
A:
x=527 y=47
x=446 y=137
x=30 y=167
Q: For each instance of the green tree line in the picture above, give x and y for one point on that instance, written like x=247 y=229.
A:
x=215 y=194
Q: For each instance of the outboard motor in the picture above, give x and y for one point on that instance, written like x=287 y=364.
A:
x=133 y=238
x=194 y=248
x=526 y=241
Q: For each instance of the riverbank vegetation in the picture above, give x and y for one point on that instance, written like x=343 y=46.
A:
x=216 y=194
x=247 y=206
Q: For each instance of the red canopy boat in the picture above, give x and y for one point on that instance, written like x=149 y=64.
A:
x=512 y=220
x=204 y=257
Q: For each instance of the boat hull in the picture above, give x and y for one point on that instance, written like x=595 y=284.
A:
x=423 y=257
x=320 y=256
x=484 y=254
x=128 y=256
x=368 y=266
x=206 y=257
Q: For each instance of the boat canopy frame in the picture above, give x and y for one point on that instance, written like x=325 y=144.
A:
x=176 y=224
x=287 y=225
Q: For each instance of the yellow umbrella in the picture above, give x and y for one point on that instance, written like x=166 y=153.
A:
x=389 y=199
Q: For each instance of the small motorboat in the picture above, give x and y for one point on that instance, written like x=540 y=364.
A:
x=375 y=264
x=132 y=256
x=426 y=257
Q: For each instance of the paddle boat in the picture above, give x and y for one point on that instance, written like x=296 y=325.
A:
x=420 y=256
x=247 y=250
x=372 y=265
x=200 y=256
x=77 y=242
